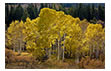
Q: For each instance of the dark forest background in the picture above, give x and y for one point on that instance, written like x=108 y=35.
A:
x=92 y=12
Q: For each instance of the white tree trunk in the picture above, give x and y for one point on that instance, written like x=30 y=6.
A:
x=49 y=52
x=77 y=58
x=58 y=51
x=14 y=49
x=63 y=48
x=63 y=54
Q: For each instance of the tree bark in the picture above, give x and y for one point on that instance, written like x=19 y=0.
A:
x=58 y=51
x=49 y=52
x=19 y=48
x=77 y=57
x=63 y=54
x=13 y=48
x=90 y=51
x=63 y=48
x=97 y=52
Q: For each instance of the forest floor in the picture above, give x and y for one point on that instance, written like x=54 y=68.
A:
x=42 y=66
x=48 y=64
x=24 y=61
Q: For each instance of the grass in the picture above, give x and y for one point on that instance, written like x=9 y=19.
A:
x=26 y=61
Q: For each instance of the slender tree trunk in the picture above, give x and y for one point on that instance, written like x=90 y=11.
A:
x=97 y=52
x=49 y=52
x=93 y=56
x=63 y=53
x=52 y=50
x=83 y=54
x=93 y=48
x=63 y=48
x=19 y=48
x=77 y=57
x=58 y=47
x=70 y=52
x=21 y=42
x=103 y=50
x=58 y=51
x=14 y=48
x=90 y=51
x=18 y=51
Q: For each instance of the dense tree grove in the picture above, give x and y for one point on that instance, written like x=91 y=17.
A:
x=53 y=33
x=91 y=12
